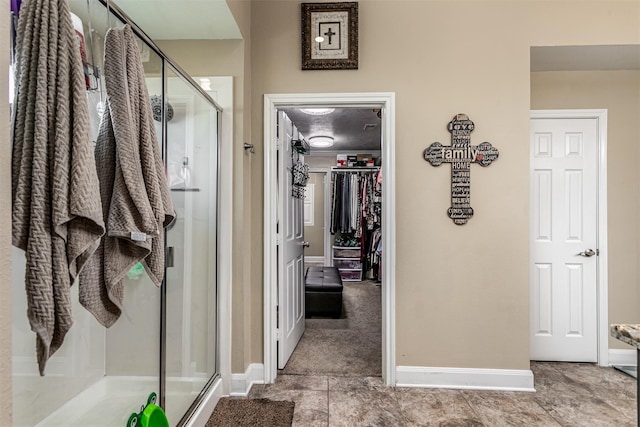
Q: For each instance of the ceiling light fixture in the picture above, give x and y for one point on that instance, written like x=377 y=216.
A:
x=321 y=141
x=317 y=111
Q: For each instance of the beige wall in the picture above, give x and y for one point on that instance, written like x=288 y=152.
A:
x=619 y=93
x=248 y=339
x=6 y=397
x=462 y=296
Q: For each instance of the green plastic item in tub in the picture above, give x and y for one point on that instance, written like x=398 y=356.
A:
x=150 y=415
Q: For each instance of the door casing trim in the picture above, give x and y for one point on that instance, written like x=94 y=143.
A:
x=602 y=233
x=273 y=102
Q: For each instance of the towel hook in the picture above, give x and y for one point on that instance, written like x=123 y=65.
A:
x=249 y=147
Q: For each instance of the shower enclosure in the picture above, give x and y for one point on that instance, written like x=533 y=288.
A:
x=166 y=339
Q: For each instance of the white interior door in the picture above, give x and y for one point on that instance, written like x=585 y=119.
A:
x=291 y=249
x=563 y=276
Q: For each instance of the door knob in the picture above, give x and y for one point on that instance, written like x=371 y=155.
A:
x=305 y=244
x=588 y=253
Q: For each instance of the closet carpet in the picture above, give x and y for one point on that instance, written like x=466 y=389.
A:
x=349 y=346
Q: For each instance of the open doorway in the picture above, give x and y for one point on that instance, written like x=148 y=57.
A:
x=342 y=240
x=587 y=83
x=276 y=317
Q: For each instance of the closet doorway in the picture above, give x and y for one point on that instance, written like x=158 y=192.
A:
x=276 y=309
x=316 y=203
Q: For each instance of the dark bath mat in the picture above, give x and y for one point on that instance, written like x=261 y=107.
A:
x=241 y=412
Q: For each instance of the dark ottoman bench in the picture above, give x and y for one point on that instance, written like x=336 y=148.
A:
x=323 y=292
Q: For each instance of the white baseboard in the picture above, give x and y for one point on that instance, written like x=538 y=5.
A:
x=206 y=407
x=241 y=383
x=622 y=357
x=464 y=378
x=314 y=259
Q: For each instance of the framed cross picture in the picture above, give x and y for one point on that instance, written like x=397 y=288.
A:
x=330 y=36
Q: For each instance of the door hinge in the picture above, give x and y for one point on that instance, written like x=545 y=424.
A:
x=278 y=240
x=597 y=252
x=279 y=334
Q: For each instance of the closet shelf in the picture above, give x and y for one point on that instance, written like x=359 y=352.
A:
x=354 y=168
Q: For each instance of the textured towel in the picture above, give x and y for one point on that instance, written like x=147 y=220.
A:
x=133 y=186
x=57 y=218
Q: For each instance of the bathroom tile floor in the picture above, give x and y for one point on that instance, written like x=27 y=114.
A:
x=567 y=394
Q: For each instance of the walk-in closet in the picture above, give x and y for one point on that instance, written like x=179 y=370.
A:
x=342 y=208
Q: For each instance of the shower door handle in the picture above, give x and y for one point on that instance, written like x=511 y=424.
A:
x=169 y=256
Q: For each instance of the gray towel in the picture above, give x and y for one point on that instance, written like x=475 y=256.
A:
x=57 y=218
x=135 y=197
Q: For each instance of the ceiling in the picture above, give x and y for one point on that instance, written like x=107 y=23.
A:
x=585 y=58
x=182 y=19
x=353 y=129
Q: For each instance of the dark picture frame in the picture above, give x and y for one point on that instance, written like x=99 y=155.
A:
x=337 y=26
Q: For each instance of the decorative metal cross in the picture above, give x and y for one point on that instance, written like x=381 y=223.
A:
x=460 y=154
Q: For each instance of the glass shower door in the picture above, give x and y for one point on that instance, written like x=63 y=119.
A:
x=100 y=376
x=191 y=309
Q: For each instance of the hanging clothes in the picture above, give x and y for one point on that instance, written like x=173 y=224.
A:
x=356 y=205
x=375 y=254
x=353 y=202
x=342 y=202
x=356 y=213
x=135 y=196
x=57 y=217
x=346 y=204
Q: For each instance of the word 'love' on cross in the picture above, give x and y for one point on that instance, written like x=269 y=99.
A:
x=461 y=154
